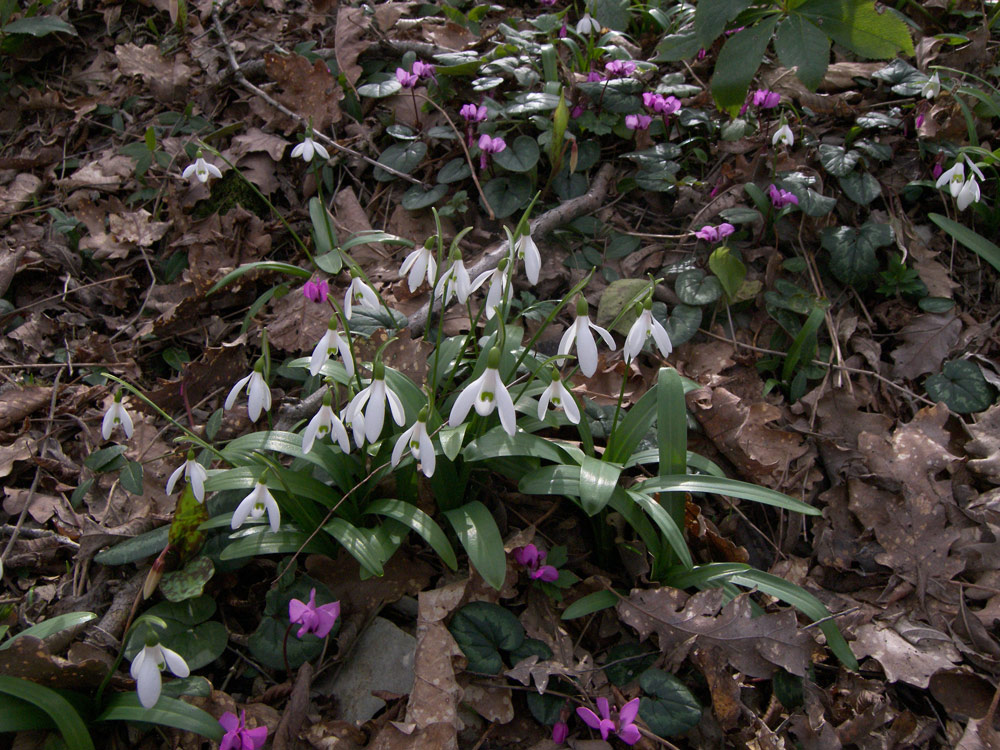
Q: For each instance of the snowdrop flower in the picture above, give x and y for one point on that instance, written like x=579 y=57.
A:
x=325 y=422
x=359 y=293
x=488 y=145
x=201 y=170
x=525 y=249
x=456 y=282
x=308 y=149
x=638 y=122
x=587 y=25
x=964 y=191
x=316 y=290
x=420 y=265
x=318 y=620
x=559 y=396
x=237 y=736
x=580 y=334
x=114 y=416
x=331 y=342
x=194 y=473
x=783 y=135
x=954 y=178
x=259 y=500
x=419 y=444
x=532 y=558
x=625 y=728
x=368 y=424
x=486 y=393
x=406 y=79
x=258 y=394
x=146 y=668
x=644 y=327
x=499 y=293
x=932 y=87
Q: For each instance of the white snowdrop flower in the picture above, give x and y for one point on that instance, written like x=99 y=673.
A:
x=500 y=290
x=559 y=396
x=587 y=25
x=255 y=504
x=367 y=424
x=968 y=195
x=525 y=249
x=308 y=149
x=114 y=416
x=194 y=473
x=456 y=282
x=258 y=394
x=331 y=341
x=486 y=393
x=146 y=667
x=201 y=170
x=420 y=265
x=644 y=327
x=360 y=294
x=954 y=178
x=580 y=334
x=418 y=441
x=325 y=422
x=783 y=135
x=931 y=87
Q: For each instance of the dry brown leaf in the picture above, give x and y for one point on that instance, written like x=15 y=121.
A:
x=136 y=227
x=723 y=685
x=18 y=194
x=18 y=403
x=986 y=444
x=927 y=341
x=492 y=703
x=42 y=507
x=256 y=139
x=911 y=659
x=964 y=694
x=107 y=173
x=349 y=218
x=350 y=42
x=309 y=90
x=167 y=79
x=28 y=659
x=297 y=323
x=754 y=645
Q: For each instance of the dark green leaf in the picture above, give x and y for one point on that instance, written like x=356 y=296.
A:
x=879 y=120
x=482 y=630
x=936 y=304
x=507 y=194
x=39 y=26
x=101 y=460
x=545 y=708
x=788 y=689
x=268 y=644
x=51 y=626
x=801 y=45
x=729 y=270
x=454 y=171
x=674 y=47
x=416 y=197
x=168 y=712
x=531 y=646
x=589 y=604
x=612 y=14
x=658 y=179
x=387 y=86
x=836 y=160
x=131 y=477
x=479 y=535
x=626 y=661
x=978 y=244
x=145 y=545
x=533 y=103
x=738 y=61
x=961 y=385
x=61 y=711
x=403 y=157
x=857 y=25
x=619 y=95
x=711 y=17
x=519 y=156
x=672 y=709
x=188 y=582
x=852 y=251
x=695 y=288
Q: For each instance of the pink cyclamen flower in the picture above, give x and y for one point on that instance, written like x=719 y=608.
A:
x=920 y=121
x=578 y=110
x=532 y=558
x=937 y=170
x=625 y=727
x=313 y=618
x=781 y=198
x=714 y=234
x=764 y=99
x=560 y=731
x=237 y=736
x=473 y=113
x=620 y=68
x=406 y=79
x=663 y=105
x=637 y=122
x=316 y=290
x=594 y=77
x=548 y=3
x=702 y=54
x=563 y=32
x=423 y=70
x=488 y=145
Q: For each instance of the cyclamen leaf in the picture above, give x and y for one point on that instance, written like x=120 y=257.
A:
x=961 y=385
x=482 y=630
x=711 y=17
x=667 y=706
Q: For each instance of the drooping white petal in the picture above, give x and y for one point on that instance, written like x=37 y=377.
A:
x=258 y=396
x=486 y=400
x=321 y=353
x=636 y=338
x=375 y=413
x=174 y=477
x=543 y=402
x=126 y=418
x=402 y=443
x=568 y=404
x=273 y=511
x=969 y=194
x=395 y=406
x=427 y=457
x=505 y=407
x=321 y=150
x=197 y=476
x=245 y=507
x=661 y=337
x=527 y=249
x=465 y=400
x=586 y=347
x=234 y=392
x=147 y=676
x=175 y=662
x=320 y=419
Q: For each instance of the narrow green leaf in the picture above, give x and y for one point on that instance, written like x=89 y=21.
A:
x=667 y=525
x=978 y=244
x=804 y=344
x=359 y=545
x=270 y=543
x=632 y=429
x=420 y=522
x=51 y=626
x=131 y=477
x=560 y=479
x=136 y=548
x=720 y=486
x=480 y=537
x=264 y=265
x=168 y=712
x=589 y=604
x=598 y=479
x=61 y=711
x=39 y=26
x=738 y=61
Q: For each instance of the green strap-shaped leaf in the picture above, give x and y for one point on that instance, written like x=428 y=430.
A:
x=420 y=522
x=720 y=486
x=266 y=542
x=598 y=479
x=632 y=429
x=264 y=265
x=63 y=715
x=978 y=244
x=52 y=625
x=168 y=712
x=738 y=61
x=590 y=603
x=480 y=537
x=496 y=443
x=359 y=545
x=669 y=528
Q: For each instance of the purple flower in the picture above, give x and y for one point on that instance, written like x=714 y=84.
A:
x=472 y=113
x=560 y=731
x=423 y=70
x=764 y=99
x=316 y=290
x=406 y=80
x=549 y=3
x=702 y=54
x=664 y=105
x=637 y=122
x=577 y=111
x=626 y=729
x=594 y=77
x=312 y=618
x=531 y=558
x=488 y=145
x=937 y=170
x=237 y=736
x=563 y=32
x=714 y=234
x=620 y=68
x=781 y=198
x=920 y=121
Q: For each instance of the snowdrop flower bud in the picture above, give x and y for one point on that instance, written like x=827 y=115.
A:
x=359 y=293
x=114 y=416
x=308 y=149
x=331 y=342
x=932 y=87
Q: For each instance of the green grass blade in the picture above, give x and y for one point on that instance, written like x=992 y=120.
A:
x=724 y=486
x=358 y=544
x=479 y=535
x=52 y=625
x=420 y=522
x=590 y=603
x=975 y=242
x=168 y=712
x=63 y=715
x=668 y=527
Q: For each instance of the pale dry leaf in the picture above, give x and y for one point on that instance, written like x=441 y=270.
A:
x=754 y=645
x=986 y=444
x=258 y=168
x=167 y=79
x=18 y=194
x=42 y=507
x=309 y=90
x=137 y=227
x=927 y=341
x=350 y=41
x=18 y=403
x=349 y=219
x=256 y=139
x=107 y=173
x=20 y=450
x=436 y=693
x=297 y=323
x=903 y=659
x=492 y=703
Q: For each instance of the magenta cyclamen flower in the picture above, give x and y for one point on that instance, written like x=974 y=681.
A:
x=316 y=290
x=781 y=198
x=472 y=113
x=423 y=70
x=560 y=731
x=637 y=122
x=532 y=558
x=313 y=618
x=620 y=68
x=625 y=728
x=663 y=105
x=237 y=736
x=549 y=3
x=406 y=79
x=764 y=99
x=714 y=234
x=488 y=145
x=593 y=77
